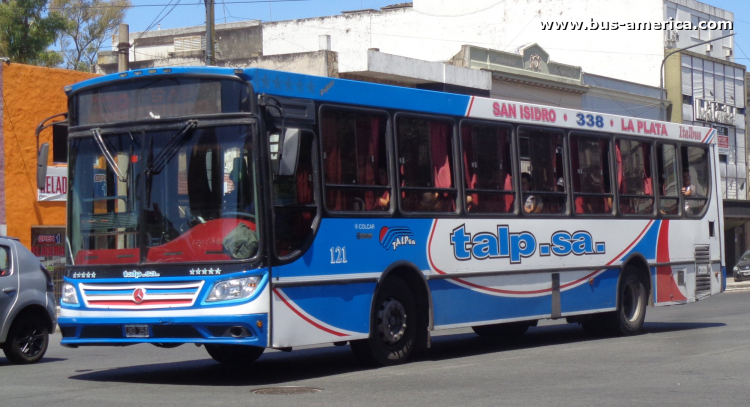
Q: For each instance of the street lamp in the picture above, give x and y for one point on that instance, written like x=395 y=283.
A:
x=661 y=71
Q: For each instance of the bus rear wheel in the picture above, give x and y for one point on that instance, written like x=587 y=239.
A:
x=393 y=326
x=235 y=355
x=631 y=309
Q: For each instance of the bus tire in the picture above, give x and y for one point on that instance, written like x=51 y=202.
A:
x=393 y=327
x=631 y=305
x=235 y=355
x=631 y=309
x=504 y=332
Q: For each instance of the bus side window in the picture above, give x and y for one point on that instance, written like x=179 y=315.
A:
x=591 y=181
x=695 y=179
x=634 y=183
x=426 y=165
x=355 y=163
x=294 y=201
x=487 y=168
x=541 y=157
x=669 y=198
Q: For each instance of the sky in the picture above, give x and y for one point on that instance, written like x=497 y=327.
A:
x=192 y=13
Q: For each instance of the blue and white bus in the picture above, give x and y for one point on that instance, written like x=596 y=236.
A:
x=245 y=209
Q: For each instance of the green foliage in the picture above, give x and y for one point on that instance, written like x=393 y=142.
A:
x=88 y=24
x=26 y=31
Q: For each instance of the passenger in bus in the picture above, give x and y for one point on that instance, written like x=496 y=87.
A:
x=238 y=200
x=430 y=202
x=384 y=202
x=687 y=188
x=532 y=204
x=688 y=191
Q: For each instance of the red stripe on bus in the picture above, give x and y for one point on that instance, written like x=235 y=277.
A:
x=146 y=302
x=471 y=103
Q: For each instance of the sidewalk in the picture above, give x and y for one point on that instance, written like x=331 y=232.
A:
x=737 y=286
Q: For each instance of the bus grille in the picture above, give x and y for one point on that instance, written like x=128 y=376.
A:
x=702 y=254
x=703 y=285
x=141 y=296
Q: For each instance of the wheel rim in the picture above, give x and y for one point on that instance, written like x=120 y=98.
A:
x=31 y=340
x=631 y=301
x=391 y=321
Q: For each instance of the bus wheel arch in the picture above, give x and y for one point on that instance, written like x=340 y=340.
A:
x=638 y=264
x=632 y=298
x=401 y=291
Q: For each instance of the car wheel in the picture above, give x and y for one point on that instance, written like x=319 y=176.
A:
x=393 y=329
x=235 y=355
x=27 y=340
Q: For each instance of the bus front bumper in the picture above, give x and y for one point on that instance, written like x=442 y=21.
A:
x=225 y=329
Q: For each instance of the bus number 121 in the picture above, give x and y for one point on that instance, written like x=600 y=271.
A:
x=338 y=255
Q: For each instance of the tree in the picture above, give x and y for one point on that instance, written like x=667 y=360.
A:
x=26 y=32
x=88 y=24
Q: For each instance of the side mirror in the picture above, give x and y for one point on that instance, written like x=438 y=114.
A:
x=284 y=149
x=41 y=166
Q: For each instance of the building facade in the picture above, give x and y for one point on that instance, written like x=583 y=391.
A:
x=36 y=217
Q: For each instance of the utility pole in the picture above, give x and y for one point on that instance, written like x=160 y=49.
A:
x=123 y=48
x=210 y=31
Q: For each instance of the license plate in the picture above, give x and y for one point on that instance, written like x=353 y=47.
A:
x=136 y=331
x=702 y=269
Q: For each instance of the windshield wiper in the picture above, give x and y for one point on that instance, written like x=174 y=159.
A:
x=157 y=164
x=108 y=155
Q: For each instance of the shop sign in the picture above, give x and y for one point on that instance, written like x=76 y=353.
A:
x=56 y=185
x=48 y=242
x=714 y=112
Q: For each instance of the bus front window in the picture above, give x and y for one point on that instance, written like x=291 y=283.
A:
x=189 y=196
x=201 y=204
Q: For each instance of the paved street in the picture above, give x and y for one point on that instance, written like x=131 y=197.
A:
x=694 y=355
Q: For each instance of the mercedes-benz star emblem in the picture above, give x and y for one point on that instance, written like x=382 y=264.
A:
x=138 y=295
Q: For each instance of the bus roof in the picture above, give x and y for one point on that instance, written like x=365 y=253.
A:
x=343 y=91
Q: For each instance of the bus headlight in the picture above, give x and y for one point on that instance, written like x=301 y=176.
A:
x=69 y=295
x=233 y=289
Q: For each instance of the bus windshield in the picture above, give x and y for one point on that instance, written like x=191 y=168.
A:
x=179 y=195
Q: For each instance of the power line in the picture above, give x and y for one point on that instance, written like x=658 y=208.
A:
x=154 y=22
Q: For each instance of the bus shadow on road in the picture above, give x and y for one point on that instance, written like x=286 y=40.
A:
x=279 y=368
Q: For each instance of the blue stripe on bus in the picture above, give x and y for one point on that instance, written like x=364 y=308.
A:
x=601 y=294
x=318 y=88
x=345 y=307
x=357 y=93
x=647 y=245
x=454 y=304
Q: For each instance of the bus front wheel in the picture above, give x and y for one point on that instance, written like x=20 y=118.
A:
x=235 y=355
x=393 y=327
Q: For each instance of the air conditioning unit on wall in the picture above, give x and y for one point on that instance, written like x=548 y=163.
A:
x=728 y=52
x=709 y=47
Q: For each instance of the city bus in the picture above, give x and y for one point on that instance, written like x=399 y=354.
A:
x=245 y=209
